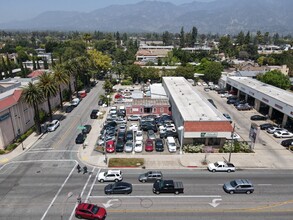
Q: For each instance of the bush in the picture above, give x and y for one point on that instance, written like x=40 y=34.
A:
x=11 y=147
x=2 y=151
x=238 y=147
x=193 y=148
x=126 y=82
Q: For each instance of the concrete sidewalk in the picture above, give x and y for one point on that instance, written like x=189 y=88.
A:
x=264 y=156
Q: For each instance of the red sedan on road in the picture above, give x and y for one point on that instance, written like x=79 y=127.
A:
x=90 y=211
x=149 y=145
x=110 y=146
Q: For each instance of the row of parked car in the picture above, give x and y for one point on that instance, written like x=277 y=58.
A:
x=139 y=136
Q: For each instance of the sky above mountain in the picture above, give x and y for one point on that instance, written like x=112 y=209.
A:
x=13 y=10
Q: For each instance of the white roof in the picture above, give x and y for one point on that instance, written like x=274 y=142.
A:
x=266 y=89
x=191 y=105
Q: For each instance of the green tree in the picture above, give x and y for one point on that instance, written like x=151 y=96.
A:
x=61 y=78
x=213 y=71
x=34 y=63
x=108 y=86
x=33 y=96
x=193 y=36
x=182 y=38
x=275 y=78
x=48 y=86
x=167 y=38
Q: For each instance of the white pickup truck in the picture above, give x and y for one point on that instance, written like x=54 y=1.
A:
x=221 y=166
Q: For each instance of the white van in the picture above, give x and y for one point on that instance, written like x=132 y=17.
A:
x=171 y=144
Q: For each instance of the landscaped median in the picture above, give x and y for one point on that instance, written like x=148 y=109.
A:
x=126 y=162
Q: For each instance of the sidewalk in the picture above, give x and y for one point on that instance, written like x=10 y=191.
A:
x=270 y=156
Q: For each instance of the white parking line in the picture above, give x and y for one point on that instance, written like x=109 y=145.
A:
x=81 y=194
x=57 y=194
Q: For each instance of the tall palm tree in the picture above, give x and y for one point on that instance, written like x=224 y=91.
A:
x=48 y=87
x=60 y=77
x=33 y=96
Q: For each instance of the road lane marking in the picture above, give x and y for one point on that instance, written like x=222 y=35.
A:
x=81 y=194
x=158 y=196
x=51 y=151
x=57 y=194
x=92 y=186
x=264 y=184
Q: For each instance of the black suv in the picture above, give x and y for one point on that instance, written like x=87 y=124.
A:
x=145 y=126
x=94 y=114
x=120 y=145
x=129 y=136
x=159 y=145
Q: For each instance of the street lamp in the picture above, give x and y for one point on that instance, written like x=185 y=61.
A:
x=232 y=142
x=108 y=100
x=181 y=129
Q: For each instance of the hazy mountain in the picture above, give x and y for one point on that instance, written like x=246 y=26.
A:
x=221 y=16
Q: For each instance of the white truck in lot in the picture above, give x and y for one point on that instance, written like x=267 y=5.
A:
x=221 y=166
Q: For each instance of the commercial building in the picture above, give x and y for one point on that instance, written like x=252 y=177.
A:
x=269 y=100
x=197 y=120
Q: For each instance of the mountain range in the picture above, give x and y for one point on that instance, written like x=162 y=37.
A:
x=221 y=16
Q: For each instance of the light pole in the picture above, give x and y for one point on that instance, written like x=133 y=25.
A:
x=232 y=142
x=181 y=129
x=108 y=100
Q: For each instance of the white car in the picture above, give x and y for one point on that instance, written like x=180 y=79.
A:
x=134 y=118
x=53 y=125
x=204 y=84
x=139 y=135
x=110 y=176
x=274 y=129
x=133 y=127
x=75 y=101
x=198 y=83
x=138 y=146
x=283 y=134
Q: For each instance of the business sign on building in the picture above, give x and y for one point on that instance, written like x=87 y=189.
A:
x=208 y=134
x=4 y=116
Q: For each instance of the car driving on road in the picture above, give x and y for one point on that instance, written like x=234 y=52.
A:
x=118 y=188
x=90 y=211
x=238 y=186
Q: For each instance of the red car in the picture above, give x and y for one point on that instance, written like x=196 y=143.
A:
x=90 y=211
x=118 y=96
x=110 y=146
x=149 y=145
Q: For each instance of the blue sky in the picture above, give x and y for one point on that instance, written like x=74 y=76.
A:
x=24 y=9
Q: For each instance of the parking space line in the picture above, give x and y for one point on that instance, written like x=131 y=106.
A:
x=81 y=194
x=57 y=194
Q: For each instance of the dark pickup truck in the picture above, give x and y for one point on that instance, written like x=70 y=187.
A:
x=168 y=186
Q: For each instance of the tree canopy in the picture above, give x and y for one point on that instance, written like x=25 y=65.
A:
x=275 y=78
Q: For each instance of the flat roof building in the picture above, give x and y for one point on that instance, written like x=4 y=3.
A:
x=202 y=122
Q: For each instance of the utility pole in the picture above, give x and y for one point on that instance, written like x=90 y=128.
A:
x=232 y=143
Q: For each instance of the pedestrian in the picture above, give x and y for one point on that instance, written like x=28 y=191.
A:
x=84 y=169
x=78 y=168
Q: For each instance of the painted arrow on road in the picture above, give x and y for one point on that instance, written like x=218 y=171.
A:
x=214 y=202
x=110 y=203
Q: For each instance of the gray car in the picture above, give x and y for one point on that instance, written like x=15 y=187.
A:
x=150 y=176
x=128 y=147
x=238 y=186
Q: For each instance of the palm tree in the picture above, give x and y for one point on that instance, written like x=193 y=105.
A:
x=49 y=88
x=60 y=77
x=33 y=96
